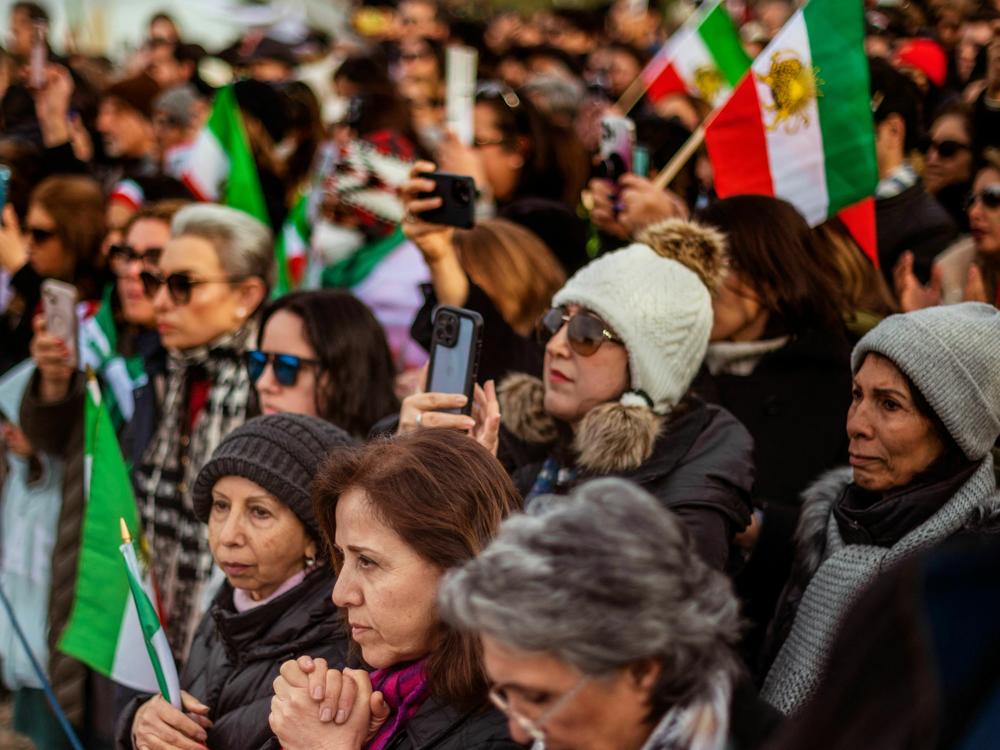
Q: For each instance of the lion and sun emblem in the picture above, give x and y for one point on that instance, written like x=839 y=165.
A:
x=794 y=86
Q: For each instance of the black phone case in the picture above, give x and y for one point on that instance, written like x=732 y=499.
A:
x=453 y=211
x=472 y=368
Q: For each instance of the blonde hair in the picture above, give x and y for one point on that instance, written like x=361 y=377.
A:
x=513 y=266
x=861 y=283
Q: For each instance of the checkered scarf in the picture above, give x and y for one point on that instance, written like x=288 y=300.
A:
x=180 y=558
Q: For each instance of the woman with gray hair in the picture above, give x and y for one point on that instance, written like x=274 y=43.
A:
x=606 y=633
x=213 y=275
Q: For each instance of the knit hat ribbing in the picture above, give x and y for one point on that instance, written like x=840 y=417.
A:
x=281 y=453
x=952 y=355
x=660 y=307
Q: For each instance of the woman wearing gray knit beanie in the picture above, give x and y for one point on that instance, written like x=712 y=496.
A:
x=924 y=419
x=254 y=494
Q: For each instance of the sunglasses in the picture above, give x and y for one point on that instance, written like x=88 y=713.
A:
x=179 y=285
x=119 y=256
x=586 y=332
x=947 y=148
x=284 y=366
x=39 y=235
x=989 y=195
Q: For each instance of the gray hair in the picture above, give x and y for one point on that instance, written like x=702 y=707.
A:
x=602 y=579
x=245 y=246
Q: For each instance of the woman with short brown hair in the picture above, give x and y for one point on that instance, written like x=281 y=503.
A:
x=396 y=515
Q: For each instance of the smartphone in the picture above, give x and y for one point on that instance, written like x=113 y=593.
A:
x=458 y=200
x=455 y=346
x=39 y=56
x=59 y=305
x=617 y=144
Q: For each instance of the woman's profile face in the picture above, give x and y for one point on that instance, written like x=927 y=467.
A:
x=46 y=253
x=573 y=711
x=737 y=314
x=984 y=221
x=891 y=442
x=501 y=162
x=575 y=384
x=284 y=333
x=948 y=133
x=386 y=588
x=257 y=541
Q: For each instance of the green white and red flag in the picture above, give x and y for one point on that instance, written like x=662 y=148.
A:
x=106 y=631
x=799 y=125
x=704 y=58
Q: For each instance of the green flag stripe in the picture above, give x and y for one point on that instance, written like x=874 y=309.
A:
x=101 y=595
x=836 y=40
x=719 y=34
x=242 y=190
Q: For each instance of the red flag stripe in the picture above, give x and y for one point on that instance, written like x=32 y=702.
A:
x=665 y=83
x=737 y=145
x=859 y=220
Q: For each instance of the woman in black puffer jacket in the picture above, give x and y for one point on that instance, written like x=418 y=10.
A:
x=275 y=604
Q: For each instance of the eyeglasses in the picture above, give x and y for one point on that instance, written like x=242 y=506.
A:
x=534 y=727
x=119 y=256
x=39 y=235
x=481 y=142
x=947 y=148
x=179 y=285
x=989 y=195
x=284 y=366
x=586 y=332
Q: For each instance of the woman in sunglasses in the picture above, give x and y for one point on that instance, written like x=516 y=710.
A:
x=60 y=239
x=323 y=353
x=623 y=638
x=970 y=269
x=624 y=340
x=950 y=161
x=213 y=275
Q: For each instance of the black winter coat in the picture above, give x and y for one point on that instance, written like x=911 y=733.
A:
x=914 y=221
x=442 y=727
x=795 y=405
x=702 y=469
x=235 y=658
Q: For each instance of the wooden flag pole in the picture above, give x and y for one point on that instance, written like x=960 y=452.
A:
x=632 y=95
x=682 y=157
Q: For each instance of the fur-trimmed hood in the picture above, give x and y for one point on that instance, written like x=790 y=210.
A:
x=613 y=437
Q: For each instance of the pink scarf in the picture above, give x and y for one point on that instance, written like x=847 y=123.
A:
x=405 y=690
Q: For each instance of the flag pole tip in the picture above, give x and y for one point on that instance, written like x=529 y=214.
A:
x=126 y=537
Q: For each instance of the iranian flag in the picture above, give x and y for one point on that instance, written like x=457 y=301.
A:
x=799 y=125
x=704 y=58
x=106 y=630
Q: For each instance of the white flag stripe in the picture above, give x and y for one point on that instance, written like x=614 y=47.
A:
x=795 y=146
x=208 y=165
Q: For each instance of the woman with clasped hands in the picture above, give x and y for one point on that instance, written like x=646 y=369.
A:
x=396 y=515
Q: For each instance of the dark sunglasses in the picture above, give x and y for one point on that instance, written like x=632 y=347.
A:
x=585 y=332
x=119 y=256
x=39 y=235
x=947 y=148
x=179 y=285
x=285 y=366
x=989 y=195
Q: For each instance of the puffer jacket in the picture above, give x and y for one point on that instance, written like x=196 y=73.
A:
x=235 y=657
x=439 y=726
x=700 y=464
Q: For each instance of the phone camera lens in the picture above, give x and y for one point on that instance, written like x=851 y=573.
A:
x=462 y=192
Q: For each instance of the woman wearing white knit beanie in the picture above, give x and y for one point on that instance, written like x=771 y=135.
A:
x=923 y=422
x=625 y=338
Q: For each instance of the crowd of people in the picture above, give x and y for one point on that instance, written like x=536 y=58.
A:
x=726 y=480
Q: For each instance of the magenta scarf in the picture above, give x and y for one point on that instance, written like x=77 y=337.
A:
x=405 y=690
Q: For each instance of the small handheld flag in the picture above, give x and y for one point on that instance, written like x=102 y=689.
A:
x=156 y=640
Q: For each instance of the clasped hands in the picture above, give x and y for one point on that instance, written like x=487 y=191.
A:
x=316 y=707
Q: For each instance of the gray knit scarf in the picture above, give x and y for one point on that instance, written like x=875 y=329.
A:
x=842 y=571
x=180 y=558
